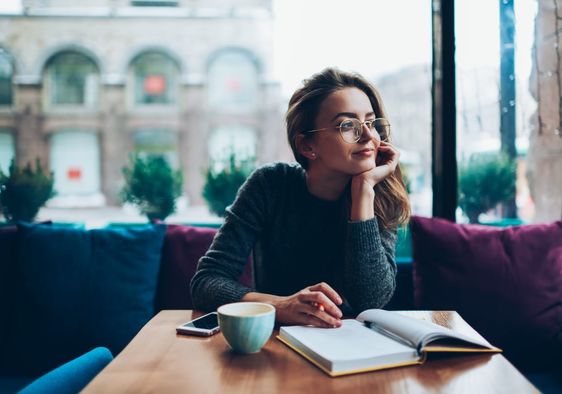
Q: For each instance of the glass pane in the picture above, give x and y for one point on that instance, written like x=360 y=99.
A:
x=73 y=80
x=372 y=41
x=75 y=161
x=158 y=142
x=226 y=140
x=494 y=100
x=233 y=83
x=155 y=77
x=6 y=74
x=7 y=151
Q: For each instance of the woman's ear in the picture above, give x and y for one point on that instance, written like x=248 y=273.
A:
x=305 y=147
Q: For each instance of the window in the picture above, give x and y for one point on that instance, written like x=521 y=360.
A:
x=75 y=161
x=494 y=110
x=6 y=75
x=6 y=150
x=407 y=98
x=158 y=142
x=226 y=140
x=233 y=82
x=155 y=79
x=72 y=80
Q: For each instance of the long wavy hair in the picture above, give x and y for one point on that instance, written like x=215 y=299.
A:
x=391 y=205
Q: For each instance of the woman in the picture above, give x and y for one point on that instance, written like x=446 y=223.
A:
x=323 y=231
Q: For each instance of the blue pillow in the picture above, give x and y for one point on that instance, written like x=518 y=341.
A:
x=8 y=261
x=78 y=289
x=126 y=267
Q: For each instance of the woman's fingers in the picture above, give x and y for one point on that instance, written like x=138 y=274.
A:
x=310 y=309
x=314 y=305
x=313 y=320
x=328 y=290
x=321 y=302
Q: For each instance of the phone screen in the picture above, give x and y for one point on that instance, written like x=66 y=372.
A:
x=207 y=322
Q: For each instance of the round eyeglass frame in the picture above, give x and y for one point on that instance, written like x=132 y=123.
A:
x=358 y=129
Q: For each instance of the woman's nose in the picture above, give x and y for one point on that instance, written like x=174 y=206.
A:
x=369 y=134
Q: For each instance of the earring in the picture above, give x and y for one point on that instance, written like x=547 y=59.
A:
x=313 y=155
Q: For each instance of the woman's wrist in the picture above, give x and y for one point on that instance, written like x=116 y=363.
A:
x=262 y=297
x=362 y=202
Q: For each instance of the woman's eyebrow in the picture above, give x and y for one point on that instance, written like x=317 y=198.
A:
x=351 y=115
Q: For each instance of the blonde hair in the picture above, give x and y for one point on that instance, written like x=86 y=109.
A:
x=392 y=206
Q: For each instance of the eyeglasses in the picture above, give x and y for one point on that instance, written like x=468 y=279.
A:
x=351 y=130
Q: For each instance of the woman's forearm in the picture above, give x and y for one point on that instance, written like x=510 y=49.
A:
x=362 y=202
x=261 y=297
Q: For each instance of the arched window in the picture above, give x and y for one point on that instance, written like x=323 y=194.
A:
x=6 y=150
x=158 y=142
x=226 y=140
x=75 y=161
x=6 y=76
x=233 y=82
x=73 y=80
x=155 y=78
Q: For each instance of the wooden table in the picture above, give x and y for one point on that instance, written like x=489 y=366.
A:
x=159 y=361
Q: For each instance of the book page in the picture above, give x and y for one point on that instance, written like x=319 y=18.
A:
x=416 y=331
x=350 y=346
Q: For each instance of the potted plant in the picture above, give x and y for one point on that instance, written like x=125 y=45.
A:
x=485 y=181
x=222 y=184
x=24 y=191
x=152 y=185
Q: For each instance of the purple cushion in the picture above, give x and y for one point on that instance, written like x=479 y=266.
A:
x=506 y=282
x=183 y=247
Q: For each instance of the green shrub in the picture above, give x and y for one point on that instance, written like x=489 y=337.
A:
x=221 y=186
x=485 y=181
x=24 y=191
x=152 y=185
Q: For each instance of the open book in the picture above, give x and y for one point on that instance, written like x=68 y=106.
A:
x=376 y=339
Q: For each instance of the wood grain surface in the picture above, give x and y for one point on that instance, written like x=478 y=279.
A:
x=159 y=361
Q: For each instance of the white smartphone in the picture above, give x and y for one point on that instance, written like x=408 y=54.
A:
x=204 y=326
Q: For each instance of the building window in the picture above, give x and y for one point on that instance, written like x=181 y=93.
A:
x=6 y=75
x=75 y=161
x=72 y=80
x=228 y=140
x=157 y=142
x=155 y=79
x=233 y=82
x=7 y=151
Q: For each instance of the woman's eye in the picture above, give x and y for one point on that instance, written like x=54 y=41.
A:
x=346 y=125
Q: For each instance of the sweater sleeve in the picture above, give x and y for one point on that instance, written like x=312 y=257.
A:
x=370 y=267
x=216 y=280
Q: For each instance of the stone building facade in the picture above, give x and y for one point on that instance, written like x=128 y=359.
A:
x=83 y=86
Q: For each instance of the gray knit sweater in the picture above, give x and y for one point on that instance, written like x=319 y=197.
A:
x=298 y=240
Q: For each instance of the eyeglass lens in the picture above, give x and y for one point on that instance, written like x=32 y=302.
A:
x=352 y=129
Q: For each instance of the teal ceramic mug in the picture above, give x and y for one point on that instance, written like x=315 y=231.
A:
x=246 y=326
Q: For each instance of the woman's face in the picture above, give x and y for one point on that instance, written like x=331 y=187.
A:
x=333 y=154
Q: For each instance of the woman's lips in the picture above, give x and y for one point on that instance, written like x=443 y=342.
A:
x=364 y=152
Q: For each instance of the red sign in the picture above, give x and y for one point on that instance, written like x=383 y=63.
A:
x=154 y=84
x=233 y=85
x=74 y=174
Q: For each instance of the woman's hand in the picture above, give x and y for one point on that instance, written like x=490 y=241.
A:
x=315 y=305
x=387 y=160
x=362 y=192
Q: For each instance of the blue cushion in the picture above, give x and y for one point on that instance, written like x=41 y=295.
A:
x=126 y=275
x=73 y=376
x=8 y=240
x=80 y=289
